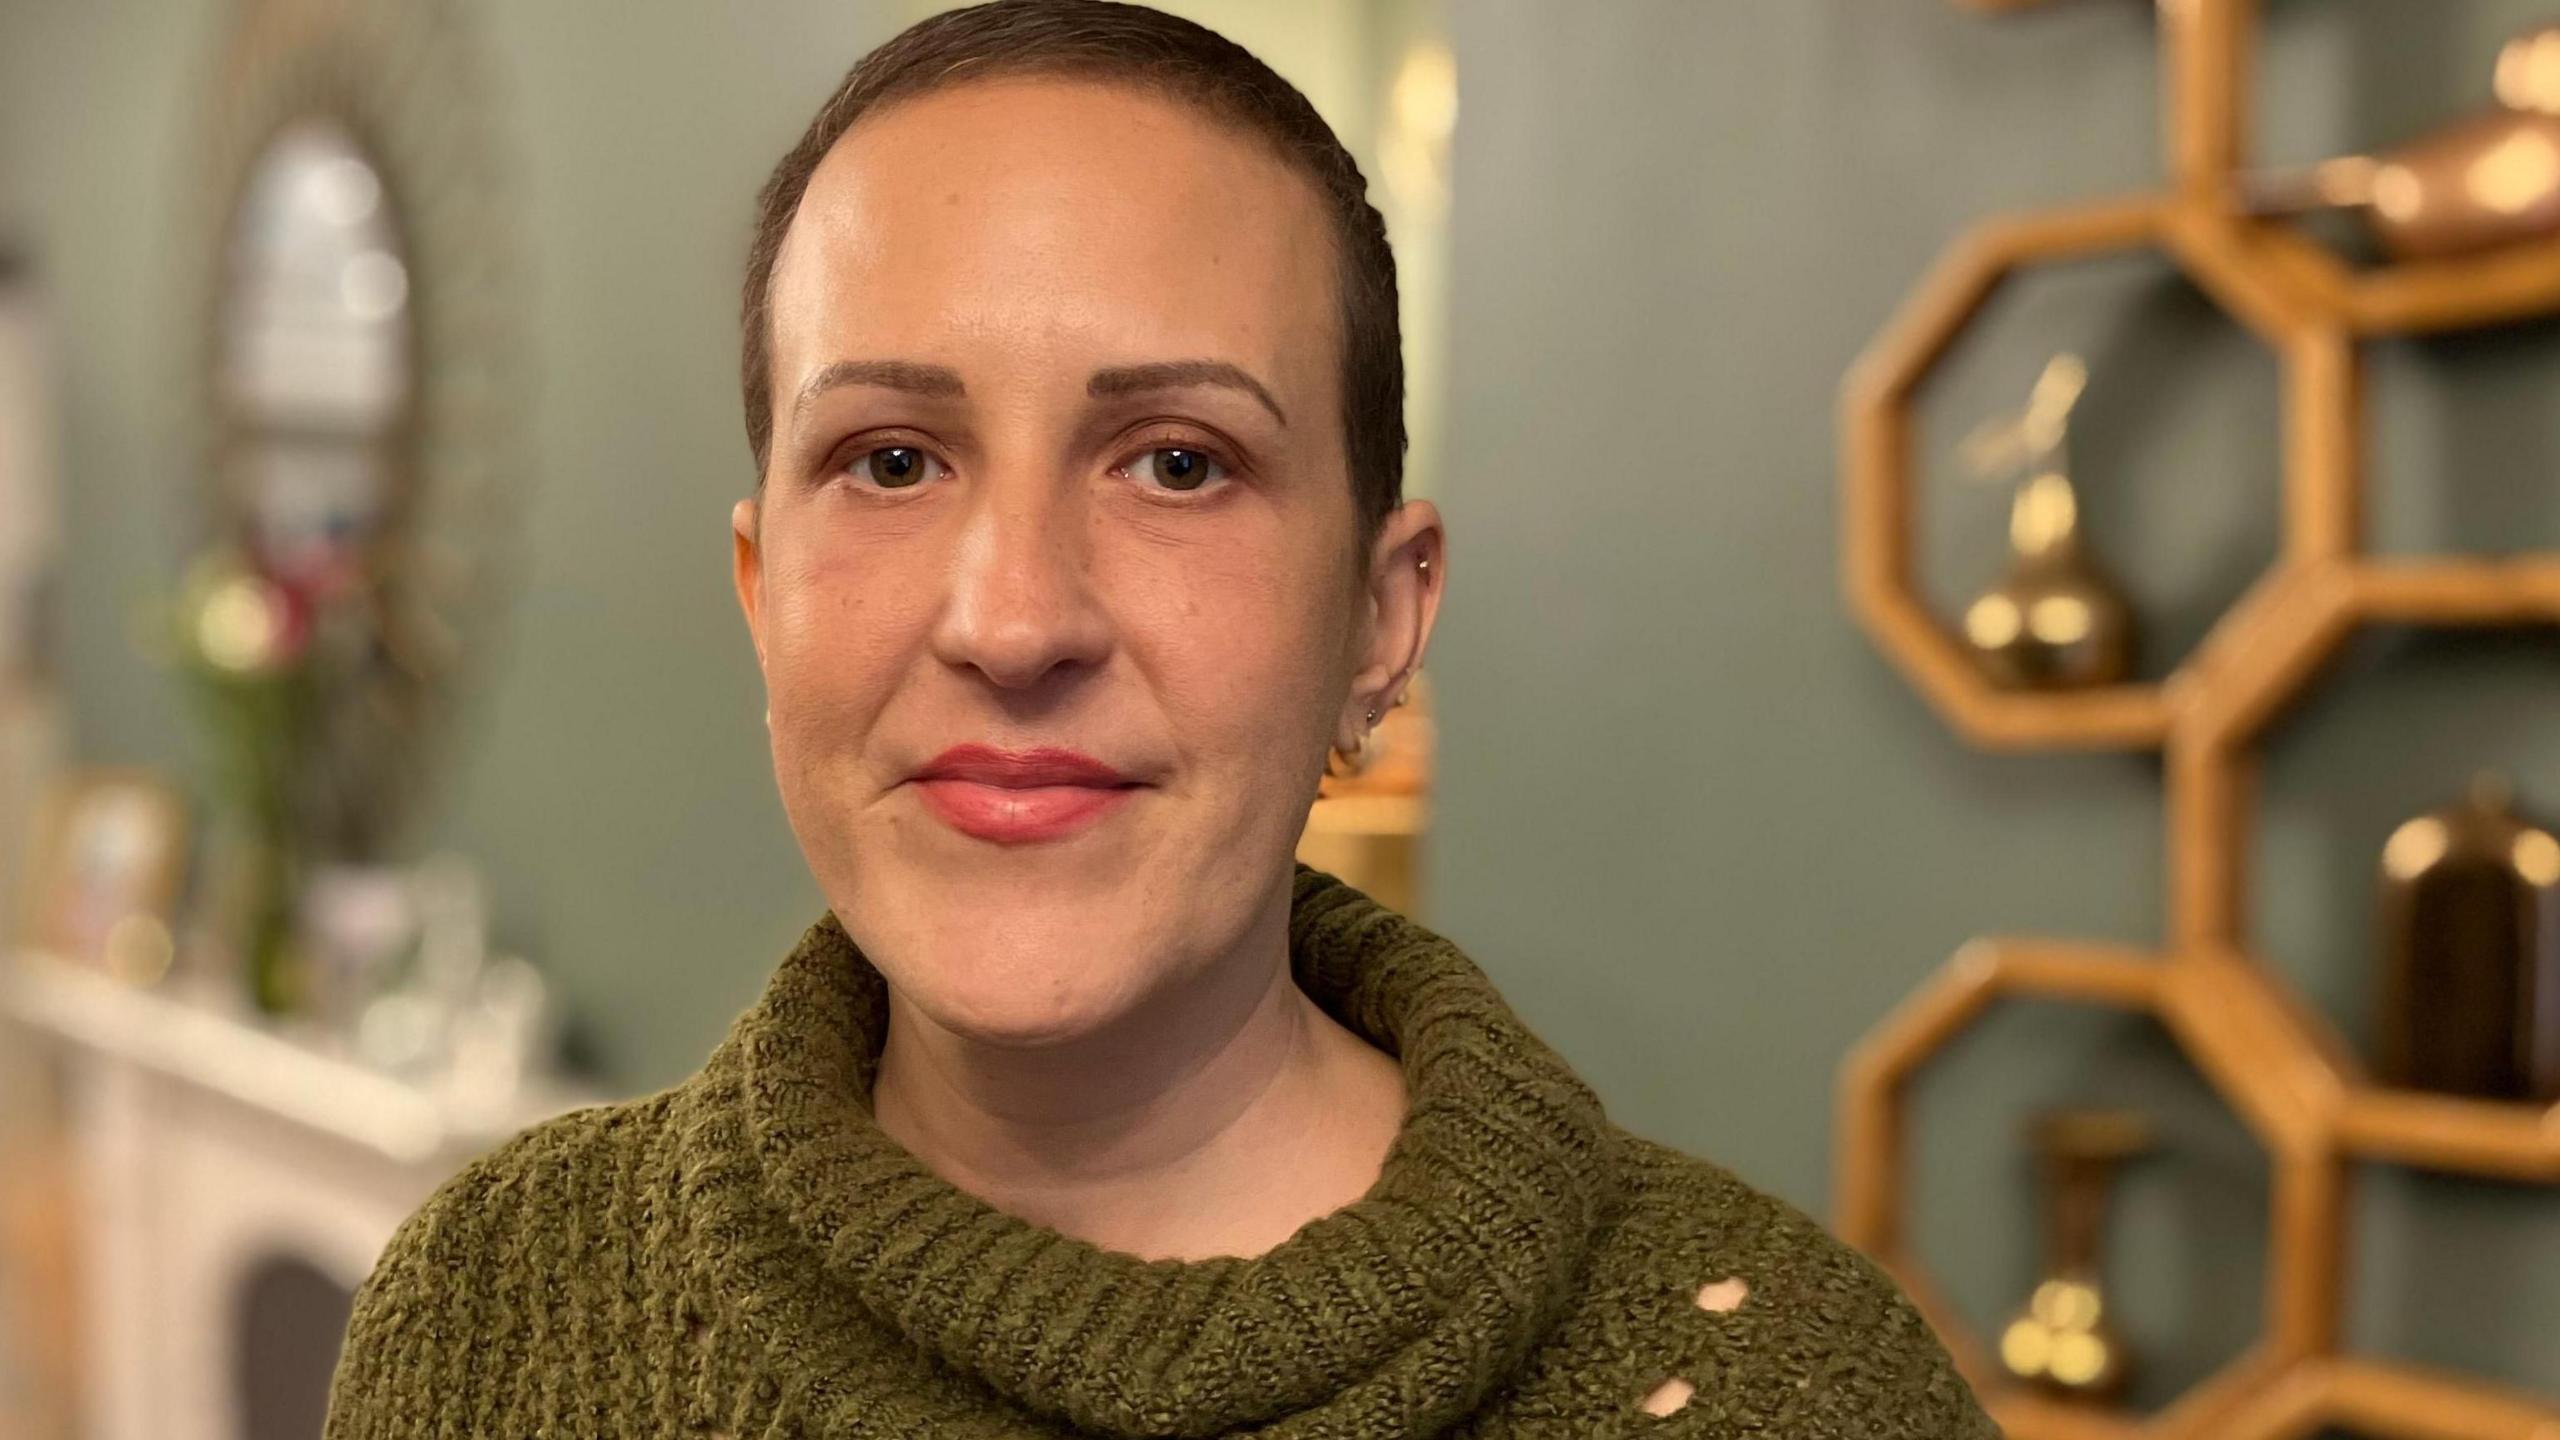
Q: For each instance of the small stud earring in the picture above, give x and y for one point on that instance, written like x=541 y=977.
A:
x=1373 y=714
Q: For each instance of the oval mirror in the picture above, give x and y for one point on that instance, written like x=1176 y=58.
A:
x=315 y=359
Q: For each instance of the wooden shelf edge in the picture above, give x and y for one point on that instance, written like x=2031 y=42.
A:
x=1388 y=816
x=2402 y=298
x=2487 y=591
x=2024 y=1415
x=2413 y=1400
x=2453 y=1134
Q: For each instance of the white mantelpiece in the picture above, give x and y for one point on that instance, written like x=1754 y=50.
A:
x=207 y=1145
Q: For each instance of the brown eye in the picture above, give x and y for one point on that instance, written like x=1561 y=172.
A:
x=895 y=467
x=1179 y=469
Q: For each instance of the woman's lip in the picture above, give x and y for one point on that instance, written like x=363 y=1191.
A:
x=1049 y=765
x=1018 y=814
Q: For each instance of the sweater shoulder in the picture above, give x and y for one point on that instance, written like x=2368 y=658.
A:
x=551 y=1176
x=1774 y=1318
x=493 y=1245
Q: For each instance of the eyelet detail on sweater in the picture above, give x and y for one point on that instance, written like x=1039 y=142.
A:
x=1716 y=1297
x=1668 y=1397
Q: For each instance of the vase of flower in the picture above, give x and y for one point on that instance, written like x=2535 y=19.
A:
x=242 y=642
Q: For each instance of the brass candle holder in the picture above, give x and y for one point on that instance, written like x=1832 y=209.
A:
x=2063 y=1341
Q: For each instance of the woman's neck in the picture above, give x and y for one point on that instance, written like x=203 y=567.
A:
x=1215 y=1120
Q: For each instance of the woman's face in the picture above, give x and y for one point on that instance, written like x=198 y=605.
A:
x=1053 y=584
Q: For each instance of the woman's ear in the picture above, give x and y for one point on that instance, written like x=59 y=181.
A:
x=1408 y=566
x=746 y=565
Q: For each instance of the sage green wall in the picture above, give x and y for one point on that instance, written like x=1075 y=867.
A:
x=1698 y=828
x=610 y=770
x=1690 y=821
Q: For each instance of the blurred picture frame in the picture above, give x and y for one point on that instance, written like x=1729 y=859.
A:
x=105 y=869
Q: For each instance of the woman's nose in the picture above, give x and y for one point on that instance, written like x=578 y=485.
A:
x=1022 y=602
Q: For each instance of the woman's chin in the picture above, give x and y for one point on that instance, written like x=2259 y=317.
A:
x=1022 y=1007
x=1021 y=960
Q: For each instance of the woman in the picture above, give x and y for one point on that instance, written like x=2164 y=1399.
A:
x=1073 y=384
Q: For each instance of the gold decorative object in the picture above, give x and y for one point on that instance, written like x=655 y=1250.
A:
x=2471 y=977
x=2055 y=621
x=2064 y=1341
x=2302 y=1091
x=2480 y=184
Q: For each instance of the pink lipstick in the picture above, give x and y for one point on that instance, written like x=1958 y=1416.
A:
x=1013 y=797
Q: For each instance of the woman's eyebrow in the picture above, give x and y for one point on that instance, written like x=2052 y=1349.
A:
x=914 y=377
x=1175 y=374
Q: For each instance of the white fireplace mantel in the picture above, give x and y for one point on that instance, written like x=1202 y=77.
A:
x=207 y=1144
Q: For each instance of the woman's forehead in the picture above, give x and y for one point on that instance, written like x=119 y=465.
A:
x=1065 y=218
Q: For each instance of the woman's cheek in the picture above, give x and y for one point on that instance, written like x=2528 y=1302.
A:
x=842 y=617
x=1264 y=659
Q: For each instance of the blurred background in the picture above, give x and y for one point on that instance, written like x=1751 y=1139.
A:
x=380 y=766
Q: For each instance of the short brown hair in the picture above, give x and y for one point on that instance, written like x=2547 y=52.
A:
x=1127 y=44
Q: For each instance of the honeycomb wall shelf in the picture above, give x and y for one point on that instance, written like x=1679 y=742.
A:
x=2321 y=503
x=2299 y=1088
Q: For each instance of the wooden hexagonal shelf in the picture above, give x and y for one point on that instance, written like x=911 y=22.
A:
x=1879 y=463
x=2299 y=1089
x=2234 y=1028
x=2211 y=756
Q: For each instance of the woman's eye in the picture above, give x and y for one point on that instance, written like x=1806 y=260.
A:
x=896 y=467
x=1175 y=469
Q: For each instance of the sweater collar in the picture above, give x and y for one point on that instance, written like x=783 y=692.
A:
x=1407 y=1307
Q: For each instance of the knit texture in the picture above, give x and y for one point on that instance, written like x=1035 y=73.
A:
x=748 y=1254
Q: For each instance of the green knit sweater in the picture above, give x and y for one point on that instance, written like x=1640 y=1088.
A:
x=747 y=1254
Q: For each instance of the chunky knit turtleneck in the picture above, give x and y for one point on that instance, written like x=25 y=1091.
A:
x=749 y=1254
